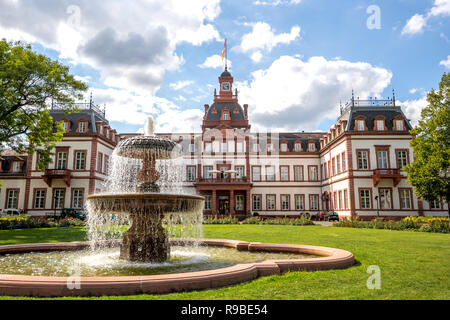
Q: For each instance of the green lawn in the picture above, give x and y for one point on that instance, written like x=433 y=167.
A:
x=414 y=265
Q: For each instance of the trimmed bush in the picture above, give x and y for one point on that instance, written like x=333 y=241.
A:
x=260 y=221
x=24 y=222
x=424 y=224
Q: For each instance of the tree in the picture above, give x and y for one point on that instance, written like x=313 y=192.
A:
x=28 y=82
x=431 y=146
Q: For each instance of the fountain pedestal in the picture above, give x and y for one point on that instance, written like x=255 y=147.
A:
x=146 y=240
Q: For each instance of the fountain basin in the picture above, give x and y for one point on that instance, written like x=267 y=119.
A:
x=17 y=285
x=146 y=240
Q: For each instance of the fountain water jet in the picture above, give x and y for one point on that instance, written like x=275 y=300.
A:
x=146 y=239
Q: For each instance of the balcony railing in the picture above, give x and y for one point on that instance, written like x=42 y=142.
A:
x=81 y=106
x=222 y=180
x=379 y=174
x=63 y=174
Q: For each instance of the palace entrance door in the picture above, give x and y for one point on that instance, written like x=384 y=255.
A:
x=224 y=205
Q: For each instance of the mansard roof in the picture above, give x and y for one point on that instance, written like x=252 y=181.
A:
x=215 y=111
x=388 y=113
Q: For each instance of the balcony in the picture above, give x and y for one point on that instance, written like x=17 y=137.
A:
x=229 y=180
x=50 y=174
x=393 y=174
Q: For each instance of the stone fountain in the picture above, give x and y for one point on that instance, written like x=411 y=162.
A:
x=146 y=240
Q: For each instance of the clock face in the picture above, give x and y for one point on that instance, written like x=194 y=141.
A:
x=226 y=86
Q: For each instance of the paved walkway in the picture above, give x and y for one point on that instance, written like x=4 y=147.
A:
x=325 y=223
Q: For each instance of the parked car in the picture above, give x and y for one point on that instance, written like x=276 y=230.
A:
x=73 y=213
x=331 y=216
x=11 y=212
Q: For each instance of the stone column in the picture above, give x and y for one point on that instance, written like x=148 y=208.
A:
x=214 y=202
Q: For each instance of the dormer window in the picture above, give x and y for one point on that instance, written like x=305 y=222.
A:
x=269 y=147
x=82 y=126
x=312 y=147
x=379 y=125
x=284 y=147
x=255 y=147
x=298 y=147
x=17 y=166
x=66 y=125
x=399 y=125
x=226 y=116
x=360 y=125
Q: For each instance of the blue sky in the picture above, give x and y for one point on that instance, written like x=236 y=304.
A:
x=292 y=60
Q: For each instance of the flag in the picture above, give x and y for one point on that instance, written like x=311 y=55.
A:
x=224 y=49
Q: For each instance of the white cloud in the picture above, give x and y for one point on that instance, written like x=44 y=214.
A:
x=137 y=50
x=262 y=37
x=181 y=84
x=215 y=61
x=446 y=63
x=276 y=2
x=413 y=108
x=297 y=95
x=413 y=90
x=414 y=25
x=256 y=56
x=417 y=23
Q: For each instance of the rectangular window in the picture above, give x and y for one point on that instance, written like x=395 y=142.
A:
x=255 y=147
x=298 y=147
x=402 y=158
x=435 y=204
x=240 y=147
x=270 y=173
x=77 y=199
x=216 y=146
x=364 y=199
x=385 y=199
x=333 y=166
x=382 y=156
x=399 y=125
x=345 y=199
x=256 y=173
x=380 y=125
x=335 y=201
x=82 y=127
x=106 y=165
x=338 y=164
x=80 y=160
x=224 y=147
x=58 y=199
x=405 y=199
x=256 y=202
x=298 y=173
x=341 y=206
x=271 y=202
x=314 y=202
x=206 y=173
x=313 y=176
x=191 y=148
x=65 y=125
x=284 y=170
x=269 y=147
x=100 y=162
x=39 y=199
x=344 y=162
x=191 y=176
x=299 y=202
x=61 y=163
x=12 y=202
x=363 y=160
x=17 y=166
x=208 y=147
x=231 y=146
x=360 y=125
x=208 y=202
x=285 y=202
x=312 y=147
x=284 y=147
x=239 y=172
x=239 y=202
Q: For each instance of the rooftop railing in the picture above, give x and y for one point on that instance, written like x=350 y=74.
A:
x=81 y=106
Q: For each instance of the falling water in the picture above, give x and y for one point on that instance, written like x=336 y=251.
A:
x=136 y=165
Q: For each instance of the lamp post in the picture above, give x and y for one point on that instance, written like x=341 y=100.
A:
x=445 y=174
x=378 y=210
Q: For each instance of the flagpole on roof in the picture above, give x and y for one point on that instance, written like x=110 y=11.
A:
x=226 y=56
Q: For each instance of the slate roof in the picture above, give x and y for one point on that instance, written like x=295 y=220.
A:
x=371 y=113
x=92 y=117
x=219 y=106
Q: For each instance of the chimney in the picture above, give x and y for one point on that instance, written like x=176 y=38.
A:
x=246 y=111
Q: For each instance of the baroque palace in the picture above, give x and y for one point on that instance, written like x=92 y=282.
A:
x=355 y=169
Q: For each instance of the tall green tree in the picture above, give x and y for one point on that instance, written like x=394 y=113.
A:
x=28 y=83
x=431 y=146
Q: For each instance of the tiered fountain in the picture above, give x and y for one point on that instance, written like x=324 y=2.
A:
x=146 y=240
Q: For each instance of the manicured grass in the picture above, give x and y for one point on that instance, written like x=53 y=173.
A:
x=414 y=265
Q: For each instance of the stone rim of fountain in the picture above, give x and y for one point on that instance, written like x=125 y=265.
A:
x=19 y=285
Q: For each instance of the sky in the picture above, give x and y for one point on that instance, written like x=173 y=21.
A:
x=293 y=61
